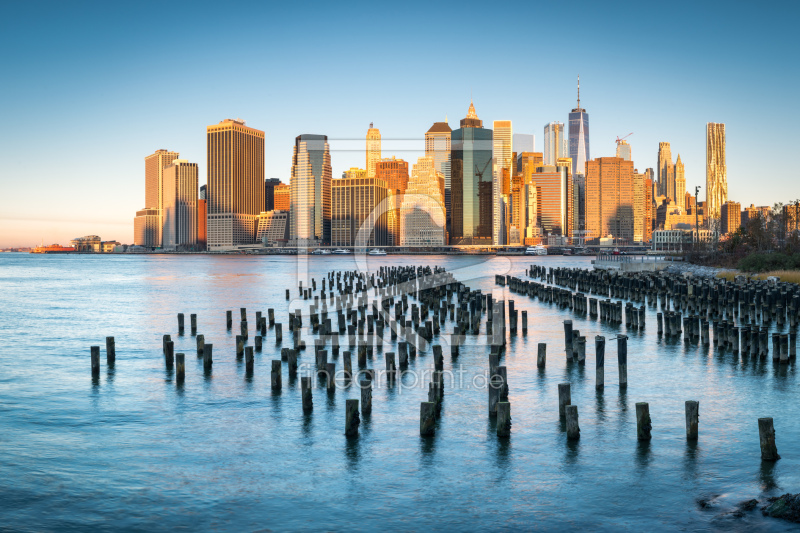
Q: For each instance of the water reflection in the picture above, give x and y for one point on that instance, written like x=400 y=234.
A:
x=643 y=455
x=690 y=460
x=352 y=453
x=766 y=476
x=571 y=450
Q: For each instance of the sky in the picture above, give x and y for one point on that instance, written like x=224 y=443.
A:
x=88 y=89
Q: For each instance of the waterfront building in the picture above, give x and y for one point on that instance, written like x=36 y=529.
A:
x=648 y=205
x=730 y=217
x=422 y=210
x=357 y=211
x=235 y=154
x=146 y=228
x=89 y=243
x=203 y=192
x=269 y=193
x=638 y=205
x=202 y=224
x=675 y=240
x=282 y=195
x=179 y=214
x=273 y=228
x=501 y=175
x=554 y=196
x=666 y=171
x=394 y=172
x=310 y=200
x=716 y=170
x=579 y=137
x=471 y=182
x=609 y=199
x=553 y=142
x=529 y=215
x=373 y=149
x=437 y=145
x=154 y=165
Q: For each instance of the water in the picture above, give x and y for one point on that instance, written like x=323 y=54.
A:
x=131 y=450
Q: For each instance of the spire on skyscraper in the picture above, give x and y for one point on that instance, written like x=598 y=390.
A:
x=471 y=112
x=579 y=91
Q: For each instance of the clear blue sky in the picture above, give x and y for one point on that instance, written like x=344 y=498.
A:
x=88 y=89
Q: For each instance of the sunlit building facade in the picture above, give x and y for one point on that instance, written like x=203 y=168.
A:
x=680 y=180
x=154 y=165
x=179 y=214
x=310 y=200
x=422 y=212
x=501 y=175
x=358 y=216
x=716 y=170
x=554 y=193
x=437 y=145
x=147 y=228
x=471 y=182
x=610 y=199
x=553 y=142
x=579 y=137
x=665 y=171
x=373 y=149
x=282 y=195
x=273 y=228
x=235 y=166
x=730 y=217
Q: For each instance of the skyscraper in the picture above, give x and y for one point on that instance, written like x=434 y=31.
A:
x=269 y=193
x=553 y=142
x=422 y=216
x=680 y=181
x=665 y=171
x=471 y=182
x=730 y=217
x=373 y=149
x=179 y=217
x=523 y=142
x=437 y=145
x=501 y=173
x=354 y=218
x=235 y=154
x=624 y=150
x=282 y=197
x=716 y=171
x=579 y=137
x=154 y=186
x=310 y=200
x=610 y=198
x=555 y=199
x=394 y=172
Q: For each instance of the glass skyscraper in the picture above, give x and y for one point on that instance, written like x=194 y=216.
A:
x=471 y=182
x=310 y=199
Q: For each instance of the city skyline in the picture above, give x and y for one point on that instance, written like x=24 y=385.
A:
x=71 y=80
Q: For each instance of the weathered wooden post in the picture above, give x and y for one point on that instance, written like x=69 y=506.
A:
x=766 y=434
x=193 y=323
x=330 y=377
x=573 y=429
x=366 y=396
x=180 y=367
x=291 y=357
x=229 y=319
x=581 y=345
x=541 y=357
x=503 y=419
x=622 y=359
x=692 y=416
x=600 y=361
x=111 y=351
x=259 y=342
x=208 y=352
x=564 y=398
x=180 y=323
x=239 y=346
x=278 y=333
x=643 y=422
x=248 y=360
x=201 y=341
x=164 y=340
x=243 y=329
x=348 y=366
x=169 y=354
x=568 y=338
x=305 y=388
x=427 y=419
x=524 y=323
x=351 y=420
x=95 y=355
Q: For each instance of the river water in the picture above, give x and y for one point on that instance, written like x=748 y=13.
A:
x=132 y=450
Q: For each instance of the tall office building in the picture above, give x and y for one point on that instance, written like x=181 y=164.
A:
x=373 y=149
x=523 y=142
x=356 y=219
x=437 y=145
x=639 y=207
x=235 y=155
x=202 y=224
x=716 y=171
x=665 y=171
x=154 y=187
x=269 y=193
x=555 y=199
x=579 y=137
x=471 y=182
x=501 y=174
x=609 y=199
x=680 y=180
x=624 y=150
x=730 y=217
x=179 y=216
x=146 y=228
x=648 y=205
x=553 y=142
x=395 y=173
x=310 y=200
x=204 y=192
x=282 y=197
x=527 y=162
x=422 y=214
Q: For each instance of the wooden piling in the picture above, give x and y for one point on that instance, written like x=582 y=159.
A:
x=95 y=355
x=111 y=351
x=193 y=323
x=248 y=359
x=643 y=422
x=541 y=357
x=278 y=333
x=622 y=359
x=366 y=396
x=239 y=346
x=600 y=361
x=692 y=417
x=568 y=338
x=201 y=341
x=351 y=419
x=766 y=434
x=573 y=428
x=427 y=419
x=259 y=340
x=564 y=398
x=180 y=367
x=180 y=323
x=305 y=387
x=208 y=351
x=229 y=319
x=169 y=354
x=330 y=377
x=503 y=419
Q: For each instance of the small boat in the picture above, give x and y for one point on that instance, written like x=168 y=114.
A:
x=536 y=250
x=342 y=251
x=377 y=251
x=616 y=251
x=317 y=252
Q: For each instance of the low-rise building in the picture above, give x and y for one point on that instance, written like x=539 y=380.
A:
x=273 y=228
x=89 y=243
x=676 y=240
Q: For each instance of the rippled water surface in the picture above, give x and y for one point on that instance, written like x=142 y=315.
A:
x=133 y=450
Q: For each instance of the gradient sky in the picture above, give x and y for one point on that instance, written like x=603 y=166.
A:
x=90 y=88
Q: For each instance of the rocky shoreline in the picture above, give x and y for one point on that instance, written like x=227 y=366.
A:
x=681 y=267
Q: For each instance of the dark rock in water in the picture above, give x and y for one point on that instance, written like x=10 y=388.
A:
x=786 y=507
x=742 y=507
x=707 y=503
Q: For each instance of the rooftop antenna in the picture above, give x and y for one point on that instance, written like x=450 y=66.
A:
x=579 y=91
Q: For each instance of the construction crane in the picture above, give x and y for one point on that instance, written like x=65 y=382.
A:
x=620 y=139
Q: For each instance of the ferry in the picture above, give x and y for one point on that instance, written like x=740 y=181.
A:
x=377 y=251
x=52 y=249
x=536 y=250
x=341 y=251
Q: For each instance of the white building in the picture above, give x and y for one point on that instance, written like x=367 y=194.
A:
x=422 y=214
